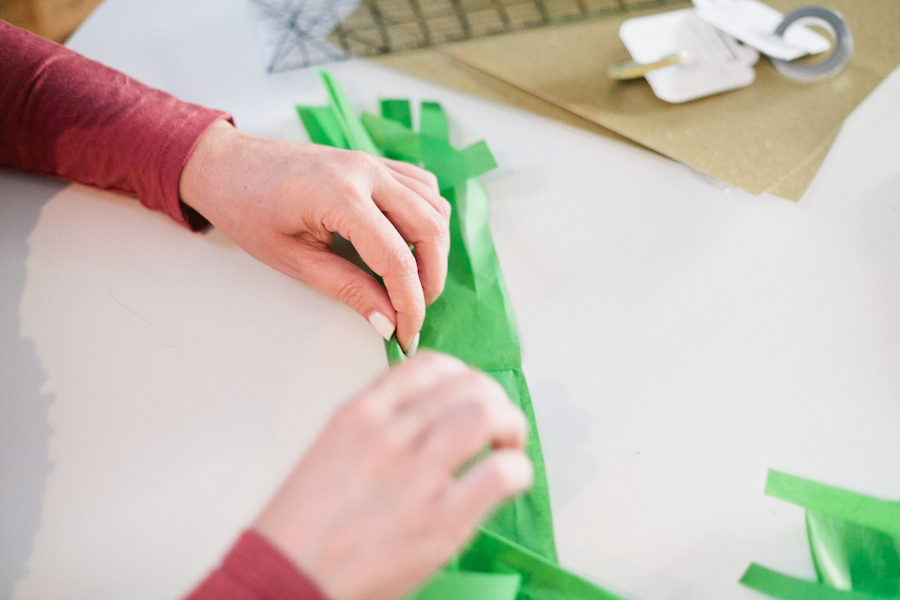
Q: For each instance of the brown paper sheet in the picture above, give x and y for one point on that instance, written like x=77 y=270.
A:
x=435 y=65
x=769 y=137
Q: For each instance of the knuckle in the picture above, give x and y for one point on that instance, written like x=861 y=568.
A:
x=480 y=415
x=436 y=226
x=402 y=261
x=351 y=292
x=499 y=479
x=457 y=531
x=487 y=386
x=388 y=441
x=428 y=361
x=360 y=413
x=445 y=207
x=349 y=190
x=443 y=365
x=362 y=160
x=520 y=422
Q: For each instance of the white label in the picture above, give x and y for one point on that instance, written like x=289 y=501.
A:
x=754 y=23
x=719 y=63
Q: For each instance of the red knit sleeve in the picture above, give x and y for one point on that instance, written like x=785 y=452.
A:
x=256 y=570
x=64 y=115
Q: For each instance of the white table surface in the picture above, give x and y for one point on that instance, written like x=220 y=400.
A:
x=679 y=338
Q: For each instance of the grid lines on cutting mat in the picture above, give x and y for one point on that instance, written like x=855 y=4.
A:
x=384 y=26
x=316 y=31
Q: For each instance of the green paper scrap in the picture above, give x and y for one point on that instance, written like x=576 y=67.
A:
x=785 y=587
x=433 y=122
x=883 y=515
x=514 y=555
x=478 y=159
x=466 y=584
x=849 y=556
x=542 y=579
x=323 y=126
x=397 y=140
x=451 y=166
x=853 y=540
x=397 y=110
x=357 y=136
x=395 y=354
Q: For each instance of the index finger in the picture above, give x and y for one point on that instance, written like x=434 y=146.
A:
x=384 y=250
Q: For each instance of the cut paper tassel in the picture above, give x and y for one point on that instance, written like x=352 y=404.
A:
x=854 y=540
x=514 y=554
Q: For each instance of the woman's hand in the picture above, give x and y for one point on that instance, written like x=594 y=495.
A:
x=282 y=201
x=374 y=506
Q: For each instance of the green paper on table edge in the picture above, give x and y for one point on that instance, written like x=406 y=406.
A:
x=854 y=540
x=472 y=320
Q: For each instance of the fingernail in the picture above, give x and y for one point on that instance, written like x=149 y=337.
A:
x=382 y=325
x=413 y=346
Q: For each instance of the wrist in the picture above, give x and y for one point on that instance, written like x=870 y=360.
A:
x=197 y=174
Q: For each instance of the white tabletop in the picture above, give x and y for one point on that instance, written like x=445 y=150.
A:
x=679 y=338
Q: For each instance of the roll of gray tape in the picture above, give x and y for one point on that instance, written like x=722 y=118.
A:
x=841 y=51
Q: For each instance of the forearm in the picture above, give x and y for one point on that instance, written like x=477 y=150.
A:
x=67 y=116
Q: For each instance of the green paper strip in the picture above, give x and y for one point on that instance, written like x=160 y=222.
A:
x=473 y=319
x=469 y=585
x=395 y=354
x=526 y=519
x=478 y=159
x=433 y=122
x=396 y=139
x=785 y=587
x=357 y=137
x=452 y=167
x=542 y=579
x=848 y=556
x=397 y=110
x=323 y=126
x=883 y=515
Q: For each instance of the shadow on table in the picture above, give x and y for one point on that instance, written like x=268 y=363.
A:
x=24 y=430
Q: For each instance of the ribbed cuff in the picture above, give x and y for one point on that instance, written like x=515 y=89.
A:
x=256 y=570
x=175 y=155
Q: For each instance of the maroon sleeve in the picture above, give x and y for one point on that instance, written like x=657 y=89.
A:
x=256 y=570
x=64 y=115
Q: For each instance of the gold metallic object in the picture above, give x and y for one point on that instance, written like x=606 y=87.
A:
x=635 y=70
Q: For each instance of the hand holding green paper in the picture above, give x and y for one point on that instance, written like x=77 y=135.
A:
x=514 y=555
x=283 y=202
x=375 y=504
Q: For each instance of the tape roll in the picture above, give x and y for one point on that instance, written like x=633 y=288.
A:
x=841 y=51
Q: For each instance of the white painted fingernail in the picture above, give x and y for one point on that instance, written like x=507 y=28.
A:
x=382 y=324
x=413 y=346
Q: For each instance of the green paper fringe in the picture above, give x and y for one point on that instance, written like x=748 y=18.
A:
x=853 y=539
x=514 y=554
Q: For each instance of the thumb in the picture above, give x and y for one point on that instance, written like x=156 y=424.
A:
x=344 y=281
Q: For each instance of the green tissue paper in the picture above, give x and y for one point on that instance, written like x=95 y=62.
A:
x=514 y=554
x=854 y=541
